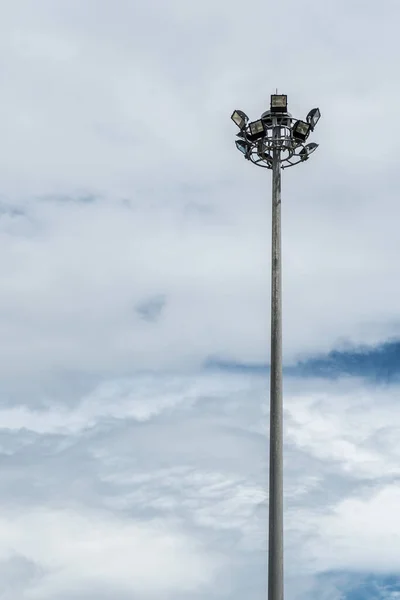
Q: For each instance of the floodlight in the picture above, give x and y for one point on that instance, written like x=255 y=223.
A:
x=313 y=117
x=244 y=147
x=276 y=141
x=307 y=150
x=240 y=119
x=278 y=103
x=301 y=130
x=276 y=137
x=257 y=130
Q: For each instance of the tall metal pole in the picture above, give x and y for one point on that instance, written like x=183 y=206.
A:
x=276 y=141
x=275 y=541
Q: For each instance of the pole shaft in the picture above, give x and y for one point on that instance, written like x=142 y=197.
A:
x=275 y=541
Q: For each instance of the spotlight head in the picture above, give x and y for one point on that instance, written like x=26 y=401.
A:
x=240 y=118
x=313 y=117
x=256 y=130
x=307 y=150
x=244 y=147
x=301 y=131
x=278 y=103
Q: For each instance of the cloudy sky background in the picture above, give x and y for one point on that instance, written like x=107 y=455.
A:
x=134 y=304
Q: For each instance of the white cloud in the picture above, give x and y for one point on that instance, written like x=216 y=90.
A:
x=138 y=462
x=120 y=184
x=134 y=102
x=356 y=429
x=91 y=552
x=363 y=533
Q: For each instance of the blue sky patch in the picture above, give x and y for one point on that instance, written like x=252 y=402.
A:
x=380 y=363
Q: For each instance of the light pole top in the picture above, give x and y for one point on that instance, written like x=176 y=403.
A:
x=276 y=128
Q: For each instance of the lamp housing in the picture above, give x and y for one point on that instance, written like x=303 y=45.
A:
x=301 y=130
x=256 y=130
x=244 y=147
x=307 y=150
x=278 y=103
x=313 y=117
x=240 y=118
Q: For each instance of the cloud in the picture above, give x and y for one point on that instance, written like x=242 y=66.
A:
x=137 y=464
x=134 y=248
x=139 y=124
x=89 y=553
x=354 y=586
x=151 y=309
x=363 y=533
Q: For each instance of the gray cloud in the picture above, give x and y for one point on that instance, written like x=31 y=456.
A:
x=182 y=461
x=120 y=182
x=134 y=120
x=151 y=309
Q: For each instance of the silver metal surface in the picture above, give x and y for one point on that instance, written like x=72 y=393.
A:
x=292 y=150
x=275 y=539
x=276 y=149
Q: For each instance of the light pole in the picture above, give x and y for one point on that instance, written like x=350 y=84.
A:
x=276 y=141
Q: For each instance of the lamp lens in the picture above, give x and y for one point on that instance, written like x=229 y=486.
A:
x=238 y=119
x=278 y=101
x=316 y=117
x=302 y=128
x=256 y=127
x=242 y=146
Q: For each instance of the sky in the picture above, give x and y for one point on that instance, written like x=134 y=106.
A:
x=135 y=290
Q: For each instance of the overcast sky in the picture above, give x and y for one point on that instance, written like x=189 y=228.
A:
x=134 y=300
